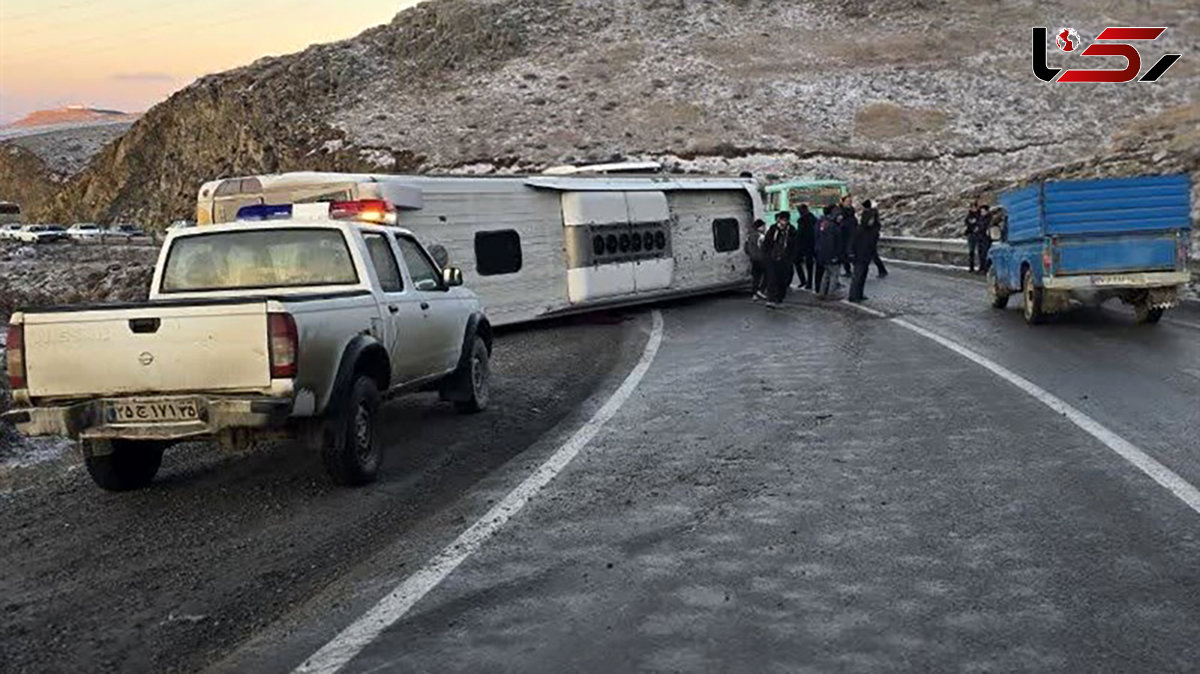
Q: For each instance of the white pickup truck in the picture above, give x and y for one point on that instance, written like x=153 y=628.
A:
x=295 y=325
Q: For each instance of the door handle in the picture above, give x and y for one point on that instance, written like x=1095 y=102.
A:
x=424 y=306
x=393 y=308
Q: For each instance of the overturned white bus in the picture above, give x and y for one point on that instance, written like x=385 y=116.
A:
x=541 y=246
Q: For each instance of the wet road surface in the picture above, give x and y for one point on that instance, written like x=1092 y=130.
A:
x=805 y=489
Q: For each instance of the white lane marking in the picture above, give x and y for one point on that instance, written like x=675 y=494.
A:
x=869 y=310
x=351 y=641
x=1164 y=476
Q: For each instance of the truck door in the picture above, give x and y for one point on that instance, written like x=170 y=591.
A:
x=441 y=309
x=400 y=317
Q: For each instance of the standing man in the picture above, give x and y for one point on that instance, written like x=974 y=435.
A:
x=758 y=267
x=779 y=248
x=865 y=245
x=984 y=237
x=849 y=230
x=972 y=234
x=829 y=251
x=806 y=242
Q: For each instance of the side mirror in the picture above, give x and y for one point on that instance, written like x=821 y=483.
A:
x=452 y=277
x=440 y=255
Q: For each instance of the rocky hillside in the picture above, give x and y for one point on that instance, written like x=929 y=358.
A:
x=925 y=101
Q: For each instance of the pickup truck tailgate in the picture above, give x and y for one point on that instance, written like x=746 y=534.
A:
x=1152 y=251
x=151 y=349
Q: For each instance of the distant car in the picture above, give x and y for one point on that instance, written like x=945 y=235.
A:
x=85 y=230
x=10 y=230
x=41 y=234
x=126 y=231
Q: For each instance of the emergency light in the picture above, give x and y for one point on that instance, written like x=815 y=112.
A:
x=265 y=212
x=376 y=211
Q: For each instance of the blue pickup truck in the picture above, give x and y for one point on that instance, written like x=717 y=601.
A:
x=1064 y=243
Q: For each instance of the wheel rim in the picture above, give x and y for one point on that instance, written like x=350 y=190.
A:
x=479 y=376
x=1028 y=292
x=362 y=433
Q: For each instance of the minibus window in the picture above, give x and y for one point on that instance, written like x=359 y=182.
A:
x=726 y=237
x=499 y=252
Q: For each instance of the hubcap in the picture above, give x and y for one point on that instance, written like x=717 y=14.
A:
x=478 y=376
x=362 y=432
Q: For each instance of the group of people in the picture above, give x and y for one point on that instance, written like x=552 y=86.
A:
x=979 y=221
x=815 y=250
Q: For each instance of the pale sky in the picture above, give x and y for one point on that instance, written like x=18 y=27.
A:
x=131 y=54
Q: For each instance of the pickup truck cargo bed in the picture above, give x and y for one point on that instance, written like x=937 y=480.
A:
x=1118 y=206
x=149 y=349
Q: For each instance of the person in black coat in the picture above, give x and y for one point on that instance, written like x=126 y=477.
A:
x=971 y=231
x=849 y=230
x=830 y=250
x=806 y=246
x=984 y=237
x=865 y=247
x=779 y=249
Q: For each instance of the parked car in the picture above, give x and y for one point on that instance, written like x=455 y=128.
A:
x=10 y=230
x=1064 y=243
x=41 y=234
x=128 y=231
x=296 y=325
x=85 y=230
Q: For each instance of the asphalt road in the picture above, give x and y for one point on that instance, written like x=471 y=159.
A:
x=811 y=488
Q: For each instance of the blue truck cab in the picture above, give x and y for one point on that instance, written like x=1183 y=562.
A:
x=1064 y=243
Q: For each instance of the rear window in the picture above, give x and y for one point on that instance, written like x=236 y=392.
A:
x=273 y=258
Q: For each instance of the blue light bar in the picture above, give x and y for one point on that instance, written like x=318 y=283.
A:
x=265 y=212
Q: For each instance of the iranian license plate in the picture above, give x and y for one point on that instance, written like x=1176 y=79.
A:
x=153 y=411
x=1117 y=280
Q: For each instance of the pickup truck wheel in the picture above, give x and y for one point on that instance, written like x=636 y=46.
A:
x=124 y=465
x=475 y=380
x=353 y=456
x=1033 y=299
x=1143 y=313
x=999 y=293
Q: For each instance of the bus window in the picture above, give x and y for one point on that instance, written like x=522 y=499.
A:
x=499 y=252
x=726 y=235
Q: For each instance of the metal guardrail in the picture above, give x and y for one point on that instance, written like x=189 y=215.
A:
x=103 y=240
x=954 y=247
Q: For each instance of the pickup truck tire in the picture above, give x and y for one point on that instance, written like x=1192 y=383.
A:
x=1033 y=299
x=352 y=455
x=125 y=465
x=1143 y=313
x=999 y=294
x=474 y=380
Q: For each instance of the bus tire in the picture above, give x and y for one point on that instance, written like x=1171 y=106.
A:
x=1033 y=299
x=123 y=465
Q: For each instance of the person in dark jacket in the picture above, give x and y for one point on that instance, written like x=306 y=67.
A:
x=984 y=237
x=779 y=248
x=849 y=229
x=758 y=266
x=806 y=244
x=829 y=251
x=865 y=248
x=971 y=231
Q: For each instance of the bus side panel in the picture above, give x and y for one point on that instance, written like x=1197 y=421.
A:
x=454 y=213
x=698 y=265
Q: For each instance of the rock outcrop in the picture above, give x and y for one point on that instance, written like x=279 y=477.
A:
x=923 y=101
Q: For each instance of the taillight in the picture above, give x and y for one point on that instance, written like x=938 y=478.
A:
x=14 y=354
x=364 y=210
x=283 y=345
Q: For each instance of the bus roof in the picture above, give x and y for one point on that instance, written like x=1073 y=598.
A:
x=788 y=184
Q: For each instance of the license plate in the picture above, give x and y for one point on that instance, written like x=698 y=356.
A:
x=1117 y=280
x=153 y=412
